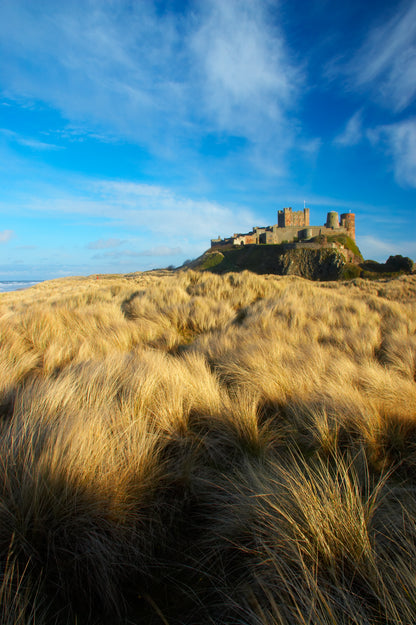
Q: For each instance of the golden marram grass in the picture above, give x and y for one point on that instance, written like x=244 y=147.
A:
x=192 y=448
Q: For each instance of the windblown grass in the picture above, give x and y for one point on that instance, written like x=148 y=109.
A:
x=192 y=448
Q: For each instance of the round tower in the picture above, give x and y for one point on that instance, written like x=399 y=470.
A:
x=348 y=222
x=332 y=220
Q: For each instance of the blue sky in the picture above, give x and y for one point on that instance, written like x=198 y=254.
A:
x=133 y=131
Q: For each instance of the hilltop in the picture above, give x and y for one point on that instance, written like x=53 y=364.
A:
x=293 y=246
x=313 y=260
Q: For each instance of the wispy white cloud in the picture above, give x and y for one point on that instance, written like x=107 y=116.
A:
x=163 y=212
x=386 y=62
x=34 y=144
x=158 y=211
x=352 y=133
x=376 y=248
x=77 y=133
x=93 y=61
x=103 y=244
x=400 y=141
x=159 y=251
x=162 y=250
x=29 y=142
x=6 y=235
x=246 y=76
x=128 y=70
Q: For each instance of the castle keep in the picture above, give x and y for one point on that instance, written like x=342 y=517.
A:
x=287 y=217
x=293 y=226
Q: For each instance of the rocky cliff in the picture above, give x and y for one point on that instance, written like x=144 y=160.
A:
x=315 y=264
x=321 y=264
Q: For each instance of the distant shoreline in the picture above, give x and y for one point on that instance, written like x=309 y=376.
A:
x=6 y=286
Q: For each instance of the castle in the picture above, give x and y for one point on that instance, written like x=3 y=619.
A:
x=292 y=226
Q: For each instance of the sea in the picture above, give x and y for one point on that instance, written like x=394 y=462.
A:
x=16 y=285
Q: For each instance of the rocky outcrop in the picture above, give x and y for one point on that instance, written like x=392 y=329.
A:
x=320 y=264
x=317 y=263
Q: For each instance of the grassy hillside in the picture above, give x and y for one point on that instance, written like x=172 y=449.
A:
x=193 y=448
x=348 y=243
x=260 y=259
x=314 y=264
x=313 y=261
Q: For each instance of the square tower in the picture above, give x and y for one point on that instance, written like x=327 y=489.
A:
x=288 y=217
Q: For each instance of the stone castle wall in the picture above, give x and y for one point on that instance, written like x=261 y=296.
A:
x=296 y=227
x=289 y=234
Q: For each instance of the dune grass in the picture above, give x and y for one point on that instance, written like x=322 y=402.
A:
x=188 y=448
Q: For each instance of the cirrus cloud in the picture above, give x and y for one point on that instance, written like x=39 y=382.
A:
x=6 y=235
x=352 y=134
x=400 y=142
x=386 y=63
x=183 y=75
x=103 y=244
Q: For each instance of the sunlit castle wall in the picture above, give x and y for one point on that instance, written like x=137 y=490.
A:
x=292 y=226
x=288 y=217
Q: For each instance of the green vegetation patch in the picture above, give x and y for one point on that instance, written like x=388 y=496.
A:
x=351 y=271
x=211 y=260
x=347 y=242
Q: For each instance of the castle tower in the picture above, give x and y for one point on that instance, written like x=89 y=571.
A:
x=348 y=222
x=332 y=220
x=284 y=217
x=288 y=217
